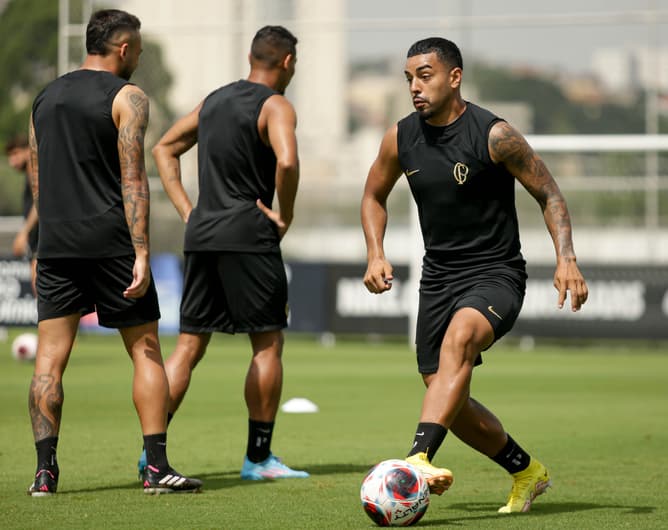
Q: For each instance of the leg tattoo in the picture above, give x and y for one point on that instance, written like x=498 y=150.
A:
x=46 y=404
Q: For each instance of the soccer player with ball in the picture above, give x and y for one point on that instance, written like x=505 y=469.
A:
x=461 y=162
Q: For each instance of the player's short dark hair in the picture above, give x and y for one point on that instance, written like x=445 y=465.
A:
x=446 y=50
x=104 y=25
x=271 y=44
x=18 y=141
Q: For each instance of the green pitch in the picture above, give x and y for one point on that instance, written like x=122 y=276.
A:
x=596 y=416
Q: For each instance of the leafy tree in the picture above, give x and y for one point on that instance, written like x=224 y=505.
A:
x=554 y=113
x=154 y=78
x=28 y=61
x=28 y=54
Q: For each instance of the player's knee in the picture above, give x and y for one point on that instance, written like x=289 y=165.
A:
x=51 y=359
x=468 y=333
x=267 y=343
x=190 y=349
x=461 y=341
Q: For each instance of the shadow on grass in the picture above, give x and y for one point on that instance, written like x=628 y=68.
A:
x=338 y=469
x=541 y=510
x=229 y=479
x=217 y=480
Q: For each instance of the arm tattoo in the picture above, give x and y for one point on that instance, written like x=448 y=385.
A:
x=133 y=171
x=45 y=402
x=33 y=164
x=509 y=148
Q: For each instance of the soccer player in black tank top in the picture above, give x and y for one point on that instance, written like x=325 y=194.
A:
x=234 y=278
x=461 y=163
x=91 y=192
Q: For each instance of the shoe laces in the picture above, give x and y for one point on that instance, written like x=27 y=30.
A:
x=520 y=485
x=276 y=462
x=421 y=457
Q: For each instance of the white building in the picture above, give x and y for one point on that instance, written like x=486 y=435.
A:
x=206 y=44
x=632 y=68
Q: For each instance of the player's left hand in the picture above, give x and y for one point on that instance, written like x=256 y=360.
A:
x=141 y=278
x=568 y=278
x=274 y=217
x=20 y=244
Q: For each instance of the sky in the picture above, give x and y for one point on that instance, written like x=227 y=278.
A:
x=531 y=39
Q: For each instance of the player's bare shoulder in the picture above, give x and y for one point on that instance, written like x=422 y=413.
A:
x=507 y=145
x=130 y=113
x=131 y=104
x=278 y=106
x=509 y=148
x=277 y=113
x=388 y=154
x=390 y=141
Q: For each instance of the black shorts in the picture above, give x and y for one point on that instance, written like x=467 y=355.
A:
x=497 y=292
x=66 y=286
x=234 y=292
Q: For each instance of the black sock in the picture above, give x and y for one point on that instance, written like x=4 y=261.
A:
x=46 y=454
x=170 y=415
x=156 y=450
x=259 y=440
x=428 y=438
x=512 y=457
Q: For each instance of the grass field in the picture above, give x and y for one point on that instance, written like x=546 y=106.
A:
x=597 y=416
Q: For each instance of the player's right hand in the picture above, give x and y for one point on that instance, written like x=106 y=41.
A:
x=274 y=217
x=186 y=215
x=378 y=277
x=141 y=278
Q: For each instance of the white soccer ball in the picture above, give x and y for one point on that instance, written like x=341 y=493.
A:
x=24 y=347
x=394 y=493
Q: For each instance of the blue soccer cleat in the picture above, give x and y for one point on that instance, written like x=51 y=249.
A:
x=141 y=465
x=269 y=469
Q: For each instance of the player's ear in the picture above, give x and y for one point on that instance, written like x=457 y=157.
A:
x=123 y=50
x=286 y=61
x=455 y=77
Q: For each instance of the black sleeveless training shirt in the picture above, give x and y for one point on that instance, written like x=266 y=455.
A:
x=235 y=169
x=81 y=212
x=466 y=203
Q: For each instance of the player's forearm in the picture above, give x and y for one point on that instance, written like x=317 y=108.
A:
x=33 y=165
x=374 y=223
x=134 y=184
x=287 y=182
x=558 y=222
x=136 y=203
x=31 y=220
x=169 y=169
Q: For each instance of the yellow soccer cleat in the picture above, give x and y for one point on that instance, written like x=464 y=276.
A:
x=439 y=479
x=527 y=485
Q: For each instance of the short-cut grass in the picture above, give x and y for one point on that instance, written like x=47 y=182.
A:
x=596 y=415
